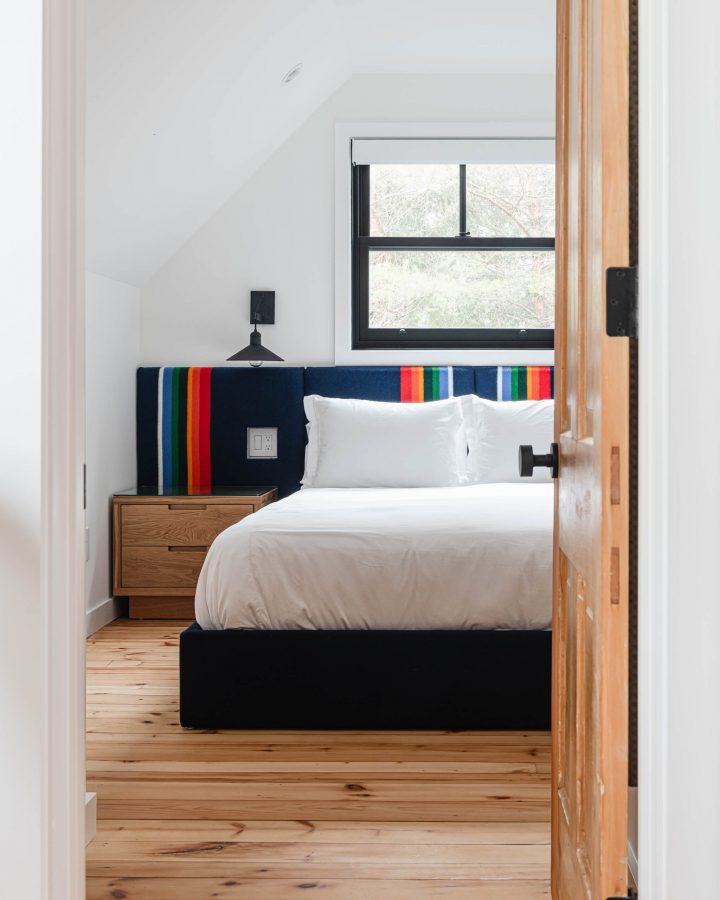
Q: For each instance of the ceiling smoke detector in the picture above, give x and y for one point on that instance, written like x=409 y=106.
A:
x=292 y=74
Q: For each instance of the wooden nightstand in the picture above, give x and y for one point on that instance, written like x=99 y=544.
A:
x=160 y=543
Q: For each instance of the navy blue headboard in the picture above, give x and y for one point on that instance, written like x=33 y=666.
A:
x=192 y=422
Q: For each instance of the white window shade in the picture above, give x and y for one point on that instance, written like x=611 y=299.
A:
x=369 y=151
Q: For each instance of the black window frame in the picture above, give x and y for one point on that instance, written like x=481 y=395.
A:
x=366 y=338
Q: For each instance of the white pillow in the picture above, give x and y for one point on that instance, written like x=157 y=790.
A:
x=495 y=430
x=364 y=443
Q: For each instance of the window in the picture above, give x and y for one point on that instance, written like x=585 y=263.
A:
x=453 y=244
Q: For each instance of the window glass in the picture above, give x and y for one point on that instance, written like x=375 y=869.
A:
x=461 y=289
x=414 y=200
x=511 y=200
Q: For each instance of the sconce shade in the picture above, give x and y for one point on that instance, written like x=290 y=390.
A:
x=255 y=352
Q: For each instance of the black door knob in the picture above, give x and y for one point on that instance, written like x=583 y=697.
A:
x=529 y=460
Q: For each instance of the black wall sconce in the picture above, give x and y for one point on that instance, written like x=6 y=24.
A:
x=262 y=312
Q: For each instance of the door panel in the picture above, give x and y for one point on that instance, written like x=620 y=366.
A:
x=590 y=615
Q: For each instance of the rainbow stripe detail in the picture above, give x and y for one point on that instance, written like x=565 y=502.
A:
x=418 y=384
x=525 y=383
x=184 y=429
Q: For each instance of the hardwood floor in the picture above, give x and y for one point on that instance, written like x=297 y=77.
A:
x=185 y=815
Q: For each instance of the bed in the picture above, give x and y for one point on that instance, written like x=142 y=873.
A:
x=450 y=627
x=377 y=608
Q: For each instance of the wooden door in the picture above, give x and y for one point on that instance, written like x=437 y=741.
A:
x=590 y=616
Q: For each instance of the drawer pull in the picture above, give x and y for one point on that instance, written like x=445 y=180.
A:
x=187 y=506
x=184 y=549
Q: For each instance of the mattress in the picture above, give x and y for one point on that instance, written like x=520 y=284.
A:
x=471 y=557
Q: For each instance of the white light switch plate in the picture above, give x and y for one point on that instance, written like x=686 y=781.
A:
x=262 y=443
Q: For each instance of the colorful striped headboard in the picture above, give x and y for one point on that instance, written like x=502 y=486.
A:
x=183 y=427
x=192 y=422
x=422 y=383
x=524 y=382
x=192 y=427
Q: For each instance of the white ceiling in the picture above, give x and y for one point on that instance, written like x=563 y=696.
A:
x=184 y=99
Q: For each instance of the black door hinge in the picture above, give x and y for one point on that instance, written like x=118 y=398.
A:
x=631 y=895
x=621 y=298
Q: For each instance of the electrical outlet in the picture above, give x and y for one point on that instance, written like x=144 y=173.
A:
x=262 y=443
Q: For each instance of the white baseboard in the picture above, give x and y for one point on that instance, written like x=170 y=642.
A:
x=90 y=816
x=103 y=613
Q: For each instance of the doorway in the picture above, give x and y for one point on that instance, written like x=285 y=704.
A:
x=171 y=802
x=357 y=788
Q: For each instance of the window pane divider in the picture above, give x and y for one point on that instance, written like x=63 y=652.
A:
x=456 y=243
x=463 y=233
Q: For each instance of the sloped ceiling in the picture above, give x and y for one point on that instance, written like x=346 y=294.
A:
x=185 y=101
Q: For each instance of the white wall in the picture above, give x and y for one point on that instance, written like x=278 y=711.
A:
x=111 y=337
x=277 y=231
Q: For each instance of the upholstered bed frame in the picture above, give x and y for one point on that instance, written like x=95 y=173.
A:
x=192 y=432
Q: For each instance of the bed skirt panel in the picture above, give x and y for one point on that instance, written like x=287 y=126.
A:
x=365 y=679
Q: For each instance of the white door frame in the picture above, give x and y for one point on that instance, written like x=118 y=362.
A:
x=679 y=434
x=63 y=425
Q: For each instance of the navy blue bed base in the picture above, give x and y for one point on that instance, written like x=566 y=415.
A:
x=374 y=680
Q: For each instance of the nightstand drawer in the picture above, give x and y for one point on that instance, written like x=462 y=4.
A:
x=161 y=567
x=177 y=523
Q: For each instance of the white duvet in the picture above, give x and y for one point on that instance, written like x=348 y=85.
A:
x=330 y=558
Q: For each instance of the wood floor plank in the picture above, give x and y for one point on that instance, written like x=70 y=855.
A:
x=232 y=770
x=230 y=859
x=310 y=832
x=157 y=749
x=450 y=741
x=189 y=738
x=498 y=811
x=329 y=889
x=260 y=871
x=317 y=791
x=266 y=815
